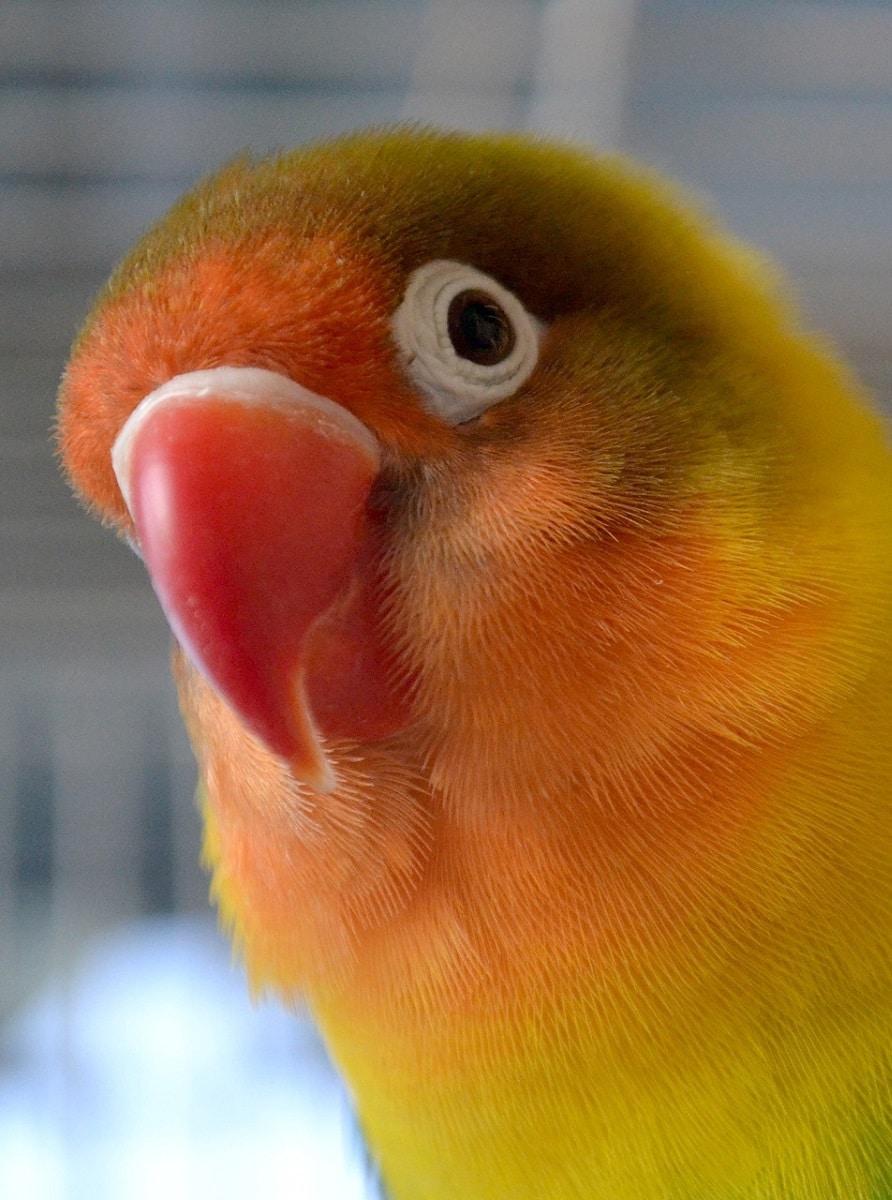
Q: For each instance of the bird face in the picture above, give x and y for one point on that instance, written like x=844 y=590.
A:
x=524 y=401
x=477 y=457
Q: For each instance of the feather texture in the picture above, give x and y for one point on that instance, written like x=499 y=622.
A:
x=610 y=916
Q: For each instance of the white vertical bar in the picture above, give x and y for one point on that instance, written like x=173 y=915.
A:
x=582 y=70
x=471 y=62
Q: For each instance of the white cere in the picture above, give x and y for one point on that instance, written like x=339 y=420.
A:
x=466 y=341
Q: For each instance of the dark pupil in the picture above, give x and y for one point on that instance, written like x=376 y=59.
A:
x=479 y=328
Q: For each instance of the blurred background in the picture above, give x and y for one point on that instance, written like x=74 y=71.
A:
x=131 y=1061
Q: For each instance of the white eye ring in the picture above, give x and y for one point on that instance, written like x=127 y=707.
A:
x=457 y=387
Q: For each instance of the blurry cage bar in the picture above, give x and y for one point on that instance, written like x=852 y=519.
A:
x=98 y=822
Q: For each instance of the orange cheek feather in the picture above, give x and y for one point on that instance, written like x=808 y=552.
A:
x=630 y=869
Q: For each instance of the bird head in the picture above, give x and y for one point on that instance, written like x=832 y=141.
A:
x=467 y=470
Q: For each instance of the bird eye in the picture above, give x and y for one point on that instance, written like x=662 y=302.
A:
x=479 y=328
x=465 y=341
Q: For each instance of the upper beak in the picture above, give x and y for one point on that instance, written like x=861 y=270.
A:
x=249 y=497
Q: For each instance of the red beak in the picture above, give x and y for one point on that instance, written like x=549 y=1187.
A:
x=249 y=496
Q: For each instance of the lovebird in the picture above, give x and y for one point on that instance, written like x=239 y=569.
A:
x=529 y=567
